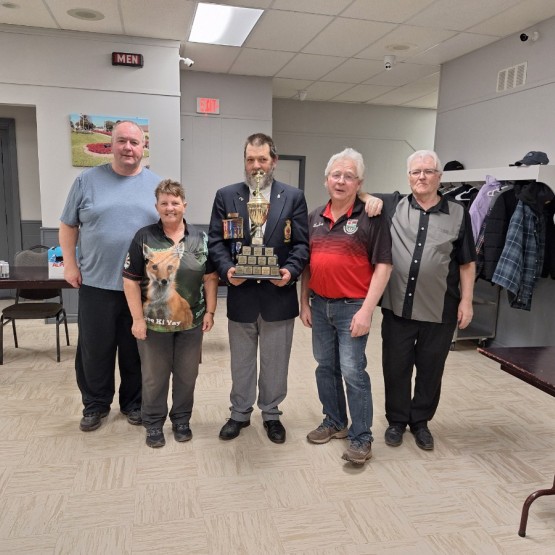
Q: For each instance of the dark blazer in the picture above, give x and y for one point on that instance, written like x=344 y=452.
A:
x=287 y=209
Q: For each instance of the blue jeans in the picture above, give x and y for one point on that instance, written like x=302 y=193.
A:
x=341 y=357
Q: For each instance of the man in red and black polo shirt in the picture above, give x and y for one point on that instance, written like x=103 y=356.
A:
x=350 y=264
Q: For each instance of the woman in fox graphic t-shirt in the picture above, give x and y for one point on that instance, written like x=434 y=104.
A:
x=171 y=291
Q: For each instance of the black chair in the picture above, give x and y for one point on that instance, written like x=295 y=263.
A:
x=34 y=256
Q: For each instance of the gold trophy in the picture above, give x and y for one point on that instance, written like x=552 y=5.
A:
x=258 y=209
x=257 y=261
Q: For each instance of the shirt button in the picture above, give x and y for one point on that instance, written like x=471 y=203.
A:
x=410 y=294
x=412 y=279
x=419 y=244
x=416 y=261
x=422 y=228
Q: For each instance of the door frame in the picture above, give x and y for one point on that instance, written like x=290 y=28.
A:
x=9 y=182
x=302 y=166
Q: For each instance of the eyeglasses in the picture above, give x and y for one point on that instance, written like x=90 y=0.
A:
x=427 y=172
x=347 y=177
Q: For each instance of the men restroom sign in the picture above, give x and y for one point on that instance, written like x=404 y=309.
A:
x=127 y=59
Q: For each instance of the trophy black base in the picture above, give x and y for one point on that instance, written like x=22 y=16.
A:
x=257 y=262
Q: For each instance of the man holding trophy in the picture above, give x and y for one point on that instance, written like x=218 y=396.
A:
x=258 y=241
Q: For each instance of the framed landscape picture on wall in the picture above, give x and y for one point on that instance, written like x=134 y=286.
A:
x=91 y=138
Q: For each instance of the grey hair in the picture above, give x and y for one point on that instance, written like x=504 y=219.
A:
x=349 y=154
x=424 y=154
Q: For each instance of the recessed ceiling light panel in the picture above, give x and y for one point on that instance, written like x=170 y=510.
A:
x=86 y=14
x=225 y=25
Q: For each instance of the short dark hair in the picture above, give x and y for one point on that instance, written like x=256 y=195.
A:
x=260 y=139
x=170 y=187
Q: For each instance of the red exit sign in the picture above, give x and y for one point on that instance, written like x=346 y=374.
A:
x=208 y=105
x=127 y=59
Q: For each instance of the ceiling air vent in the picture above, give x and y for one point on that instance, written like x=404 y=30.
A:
x=511 y=77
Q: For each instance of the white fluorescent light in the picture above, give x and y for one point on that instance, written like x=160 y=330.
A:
x=226 y=25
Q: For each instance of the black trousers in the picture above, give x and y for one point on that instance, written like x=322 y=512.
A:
x=408 y=344
x=104 y=323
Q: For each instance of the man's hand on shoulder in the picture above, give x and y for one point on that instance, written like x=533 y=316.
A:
x=372 y=205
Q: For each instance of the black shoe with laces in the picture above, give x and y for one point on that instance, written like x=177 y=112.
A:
x=155 y=437
x=182 y=432
x=92 y=421
x=133 y=416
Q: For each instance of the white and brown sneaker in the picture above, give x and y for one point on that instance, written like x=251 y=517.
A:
x=358 y=452
x=323 y=434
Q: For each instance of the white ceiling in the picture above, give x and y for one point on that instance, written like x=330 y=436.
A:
x=333 y=49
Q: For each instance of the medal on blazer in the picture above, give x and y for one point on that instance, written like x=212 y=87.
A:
x=287 y=232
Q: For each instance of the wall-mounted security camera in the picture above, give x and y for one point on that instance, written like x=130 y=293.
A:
x=388 y=62
x=187 y=61
x=533 y=37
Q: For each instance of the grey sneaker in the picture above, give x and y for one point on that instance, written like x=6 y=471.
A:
x=322 y=434
x=155 y=437
x=358 y=453
x=182 y=432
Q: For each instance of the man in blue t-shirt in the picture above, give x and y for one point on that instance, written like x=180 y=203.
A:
x=104 y=209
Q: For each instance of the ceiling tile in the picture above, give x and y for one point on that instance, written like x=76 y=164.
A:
x=457 y=46
x=33 y=13
x=354 y=70
x=286 y=30
x=459 y=15
x=325 y=91
x=257 y=4
x=361 y=93
x=210 y=57
x=397 y=11
x=174 y=16
x=288 y=88
x=428 y=101
x=111 y=24
x=327 y=7
x=417 y=39
x=516 y=18
x=401 y=74
x=347 y=37
x=260 y=62
x=309 y=66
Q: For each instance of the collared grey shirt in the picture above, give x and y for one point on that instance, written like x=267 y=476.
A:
x=428 y=247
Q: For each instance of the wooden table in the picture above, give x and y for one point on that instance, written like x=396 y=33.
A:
x=32 y=277
x=536 y=366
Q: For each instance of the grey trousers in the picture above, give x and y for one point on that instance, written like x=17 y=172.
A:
x=162 y=354
x=274 y=340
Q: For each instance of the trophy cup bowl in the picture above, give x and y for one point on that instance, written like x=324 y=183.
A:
x=258 y=209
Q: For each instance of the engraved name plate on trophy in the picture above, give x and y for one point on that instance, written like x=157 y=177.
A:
x=257 y=261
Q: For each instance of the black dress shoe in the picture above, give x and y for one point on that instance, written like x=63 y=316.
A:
x=232 y=428
x=394 y=435
x=275 y=431
x=424 y=439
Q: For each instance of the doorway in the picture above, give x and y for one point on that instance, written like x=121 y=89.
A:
x=10 y=215
x=290 y=169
